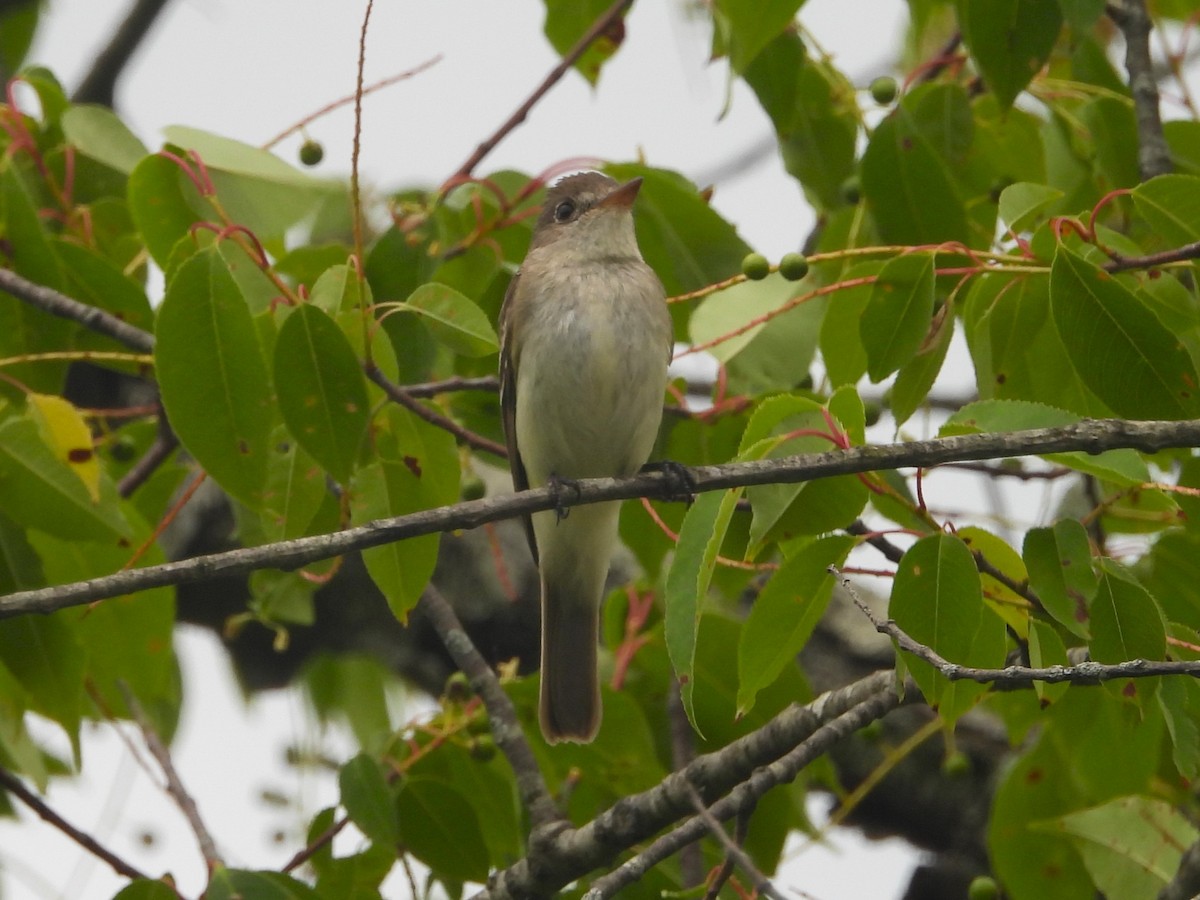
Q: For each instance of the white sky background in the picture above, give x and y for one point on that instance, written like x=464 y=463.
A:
x=250 y=69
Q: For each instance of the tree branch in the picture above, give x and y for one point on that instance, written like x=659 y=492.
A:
x=733 y=851
x=602 y=24
x=502 y=716
x=99 y=85
x=1154 y=157
x=58 y=304
x=1086 y=673
x=751 y=764
x=1088 y=435
x=14 y=786
x=175 y=786
x=1186 y=883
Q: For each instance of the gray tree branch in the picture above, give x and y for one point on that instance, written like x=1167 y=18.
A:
x=100 y=83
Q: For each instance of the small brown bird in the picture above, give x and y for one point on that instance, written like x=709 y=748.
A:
x=585 y=343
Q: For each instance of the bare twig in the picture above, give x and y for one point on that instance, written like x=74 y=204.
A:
x=156 y=454
x=506 y=729
x=1118 y=263
x=355 y=194
x=174 y=784
x=601 y=25
x=58 y=304
x=99 y=85
x=400 y=395
x=14 y=786
x=1089 y=435
x=733 y=851
x=1090 y=673
x=1154 y=156
x=683 y=751
x=350 y=98
x=489 y=383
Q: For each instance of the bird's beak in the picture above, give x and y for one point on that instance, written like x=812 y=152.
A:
x=623 y=197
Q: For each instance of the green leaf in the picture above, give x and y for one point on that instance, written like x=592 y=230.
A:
x=368 y=799
x=687 y=243
x=43 y=653
x=1179 y=699
x=438 y=826
x=1131 y=846
x=39 y=490
x=213 y=378
x=1059 y=561
x=908 y=186
x=453 y=319
x=566 y=22
x=704 y=527
x=144 y=889
x=751 y=24
x=898 y=315
x=738 y=306
x=1122 y=467
x=352 y=687
x=841 y=342
x=159 y=207
x=937 y=600
x=337 y=289
x=916 y=377
x=1118 y=346
x=417 y=469
x=1021 y=202
x=1170 y=204
x=242 y=884
x=96 y=131
x=1112 y=127
x=784 y=615
x=255 y=188
x=1081 y=15
x=1126 y=621
x=18 y=23
x=322 y=389
x=812 y=108
x=1010 y=40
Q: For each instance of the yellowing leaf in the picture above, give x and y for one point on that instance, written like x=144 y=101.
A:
x=65 y=432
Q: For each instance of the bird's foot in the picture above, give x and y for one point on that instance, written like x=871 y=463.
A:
x=679 y=483
x=558 y=487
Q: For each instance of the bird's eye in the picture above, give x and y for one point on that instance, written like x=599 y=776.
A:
x=564 y=211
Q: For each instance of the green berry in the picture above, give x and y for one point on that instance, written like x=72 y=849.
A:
x=793 y=266
x=311 y=153
x=850 y=190
x=458 y=688
x=884 y=89
x=983 y=887
x=956 y=765
x=755 y=266
x=473 y=488
x=483 y=748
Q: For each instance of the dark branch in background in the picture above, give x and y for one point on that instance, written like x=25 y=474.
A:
x=1154 y=157
x=175 y=786
x=99 y=85
x=744 y=770
x=506 y=729
x=1089 y=435
x=57 y=304
x=400 y=395
x=1186 y=883
x=14 y=785
x=156 y=454
x=683 y=751
x=1089 y=673
x=599 y=27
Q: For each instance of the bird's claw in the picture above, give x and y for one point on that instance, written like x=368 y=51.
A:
x=679 y=482
x=558 y=485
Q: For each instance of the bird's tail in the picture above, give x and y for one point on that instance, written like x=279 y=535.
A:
x=569 y=704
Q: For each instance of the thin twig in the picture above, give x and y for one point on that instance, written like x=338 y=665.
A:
x=1118 y=263
x=762 y=884
x=601 y=25
x=355 y=195
x=1154 y=156
x=1088 y=435
x=174 y=784
x=683 y=751
x=489 y=383
x=502 y=716
x=401 y=395
x=880 y=700
x=16 y=787
x=156 y=454
x=1088 y=673
x=350 y=98
x=99 y=85
x=58 y=304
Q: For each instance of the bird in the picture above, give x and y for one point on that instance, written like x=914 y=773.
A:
x=586 y=340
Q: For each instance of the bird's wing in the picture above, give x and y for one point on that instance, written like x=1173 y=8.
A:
x=508 y=408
